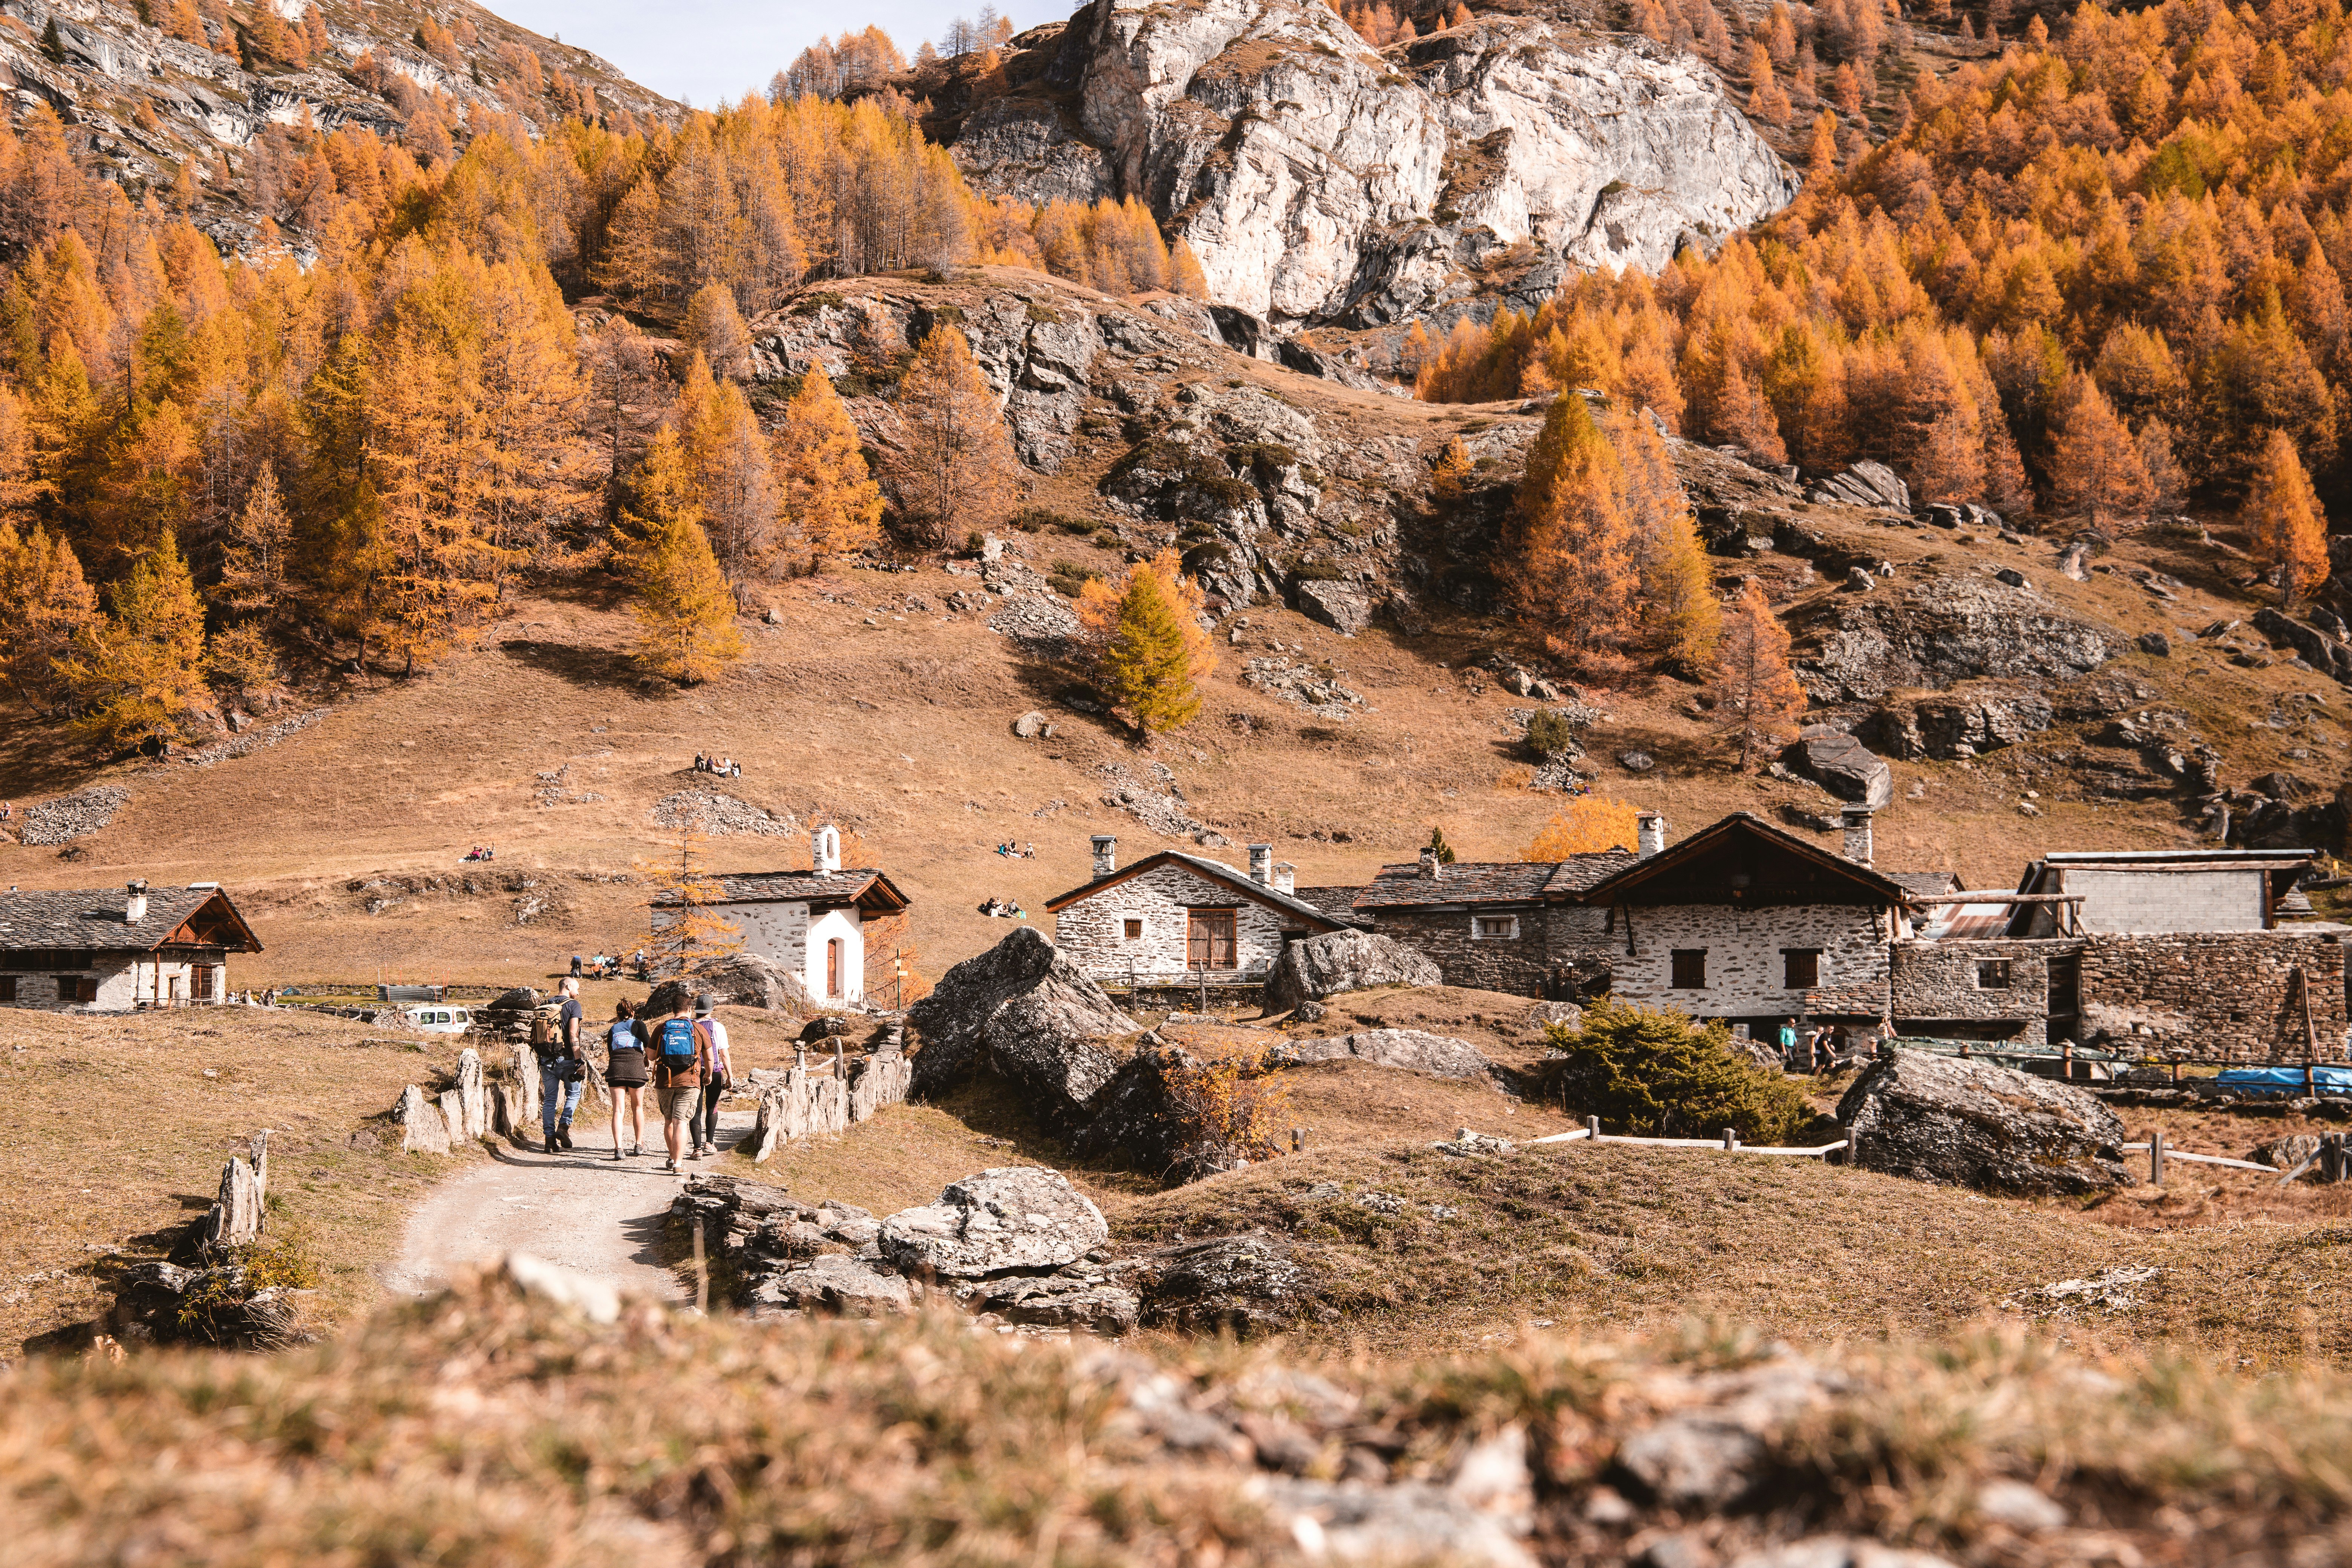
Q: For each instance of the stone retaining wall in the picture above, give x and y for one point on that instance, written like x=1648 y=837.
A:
x=827 y=1096
x=2236 y=994
x=1939 y=982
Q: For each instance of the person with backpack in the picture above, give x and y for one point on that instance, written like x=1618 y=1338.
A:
x=555 y=1041
x=716 y=1079
x=624 y=1075
x=680 y=1052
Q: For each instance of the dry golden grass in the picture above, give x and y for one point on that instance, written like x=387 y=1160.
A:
x=478 y=1428
x=113 y=1132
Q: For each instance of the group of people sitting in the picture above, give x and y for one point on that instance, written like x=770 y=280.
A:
x=1016 y=851
x=997 y=908
x=725 y=767
x=483 y=852
x=606 y=965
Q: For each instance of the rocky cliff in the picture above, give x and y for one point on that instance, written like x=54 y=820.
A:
x=1318 y=180
x=139 y=102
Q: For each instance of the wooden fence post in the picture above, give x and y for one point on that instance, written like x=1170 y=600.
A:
x=2156 y=1157
x=1731 y=1136
x=1593 y=1129
x=1298 y=1139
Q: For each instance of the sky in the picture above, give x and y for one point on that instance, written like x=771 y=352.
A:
x=704 y=52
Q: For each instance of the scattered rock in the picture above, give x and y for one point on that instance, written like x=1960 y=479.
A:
x=1040 y=622
x=70 y=816
x=1247 y=1286
x=1410 y=1049
x=2010 y=575
x=1636 y=762
x=1466 y=1143
x=1304 y=684
x=721 y=816
x=1068 y=1299
x=2155 y=643
x=1163 y=813
x=1943 y=630
x=833 y=1283
x=1030 y=1013
x=1971 y=1123
x=1859 y=580
x=1344 y=960
x=1308 y=1013
x=1865 y=484
x=423 y=1128
x=1345 y=607
x=1841 y=764
x=1009 y=1216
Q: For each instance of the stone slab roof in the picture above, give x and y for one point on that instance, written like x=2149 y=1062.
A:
x=93 y=917
x=1338 y=903
x=844 y=886
x=1925 y=883
x=1215 y=871
x=1490 y=881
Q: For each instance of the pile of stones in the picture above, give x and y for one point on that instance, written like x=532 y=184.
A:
x=1303 y=685
x=69 y=816
x=719 y=815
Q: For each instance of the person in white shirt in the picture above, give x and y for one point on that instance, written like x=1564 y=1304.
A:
x=715 y=1077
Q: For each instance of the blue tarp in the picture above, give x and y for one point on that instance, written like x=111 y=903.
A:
x=2285 y=1080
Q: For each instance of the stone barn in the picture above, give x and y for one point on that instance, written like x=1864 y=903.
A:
x=1176 y=920
x=102 y=951
x=810 y=923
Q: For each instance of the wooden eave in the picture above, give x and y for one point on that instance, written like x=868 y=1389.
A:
x=1617 y=888
x=211 y=921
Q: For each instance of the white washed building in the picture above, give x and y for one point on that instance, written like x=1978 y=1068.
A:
x=813 y=922
x=1173 y=919
x=108 y=951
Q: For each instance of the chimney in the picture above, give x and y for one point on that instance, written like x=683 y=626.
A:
x=1262 y=864
x=134 y=907
x=1286 y=876
x=825 y=848
x=1429 y=865
x=1106 y=854
x=1652 y=830
x=1857 y=820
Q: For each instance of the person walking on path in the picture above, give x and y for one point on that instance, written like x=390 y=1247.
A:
x=681 y=1049
x=718 y=1073
x=1788 y=1042
x=556 y=1042
x=624 y=1075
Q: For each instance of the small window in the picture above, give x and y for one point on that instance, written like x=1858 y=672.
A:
x=1690 y=968
x=1505 y=927
x=1992 y=974
x=74 y=988
x=1135 y=930
x=1802 y=968
x=7 y=988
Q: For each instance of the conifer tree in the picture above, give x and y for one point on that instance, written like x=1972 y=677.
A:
x=1184 y=274
x=1757 y=699
x=1438 y=846
x=714 y=328
x=957 y=468
x=2095 y=467
x=1105 y=610
x=1146 y=669
x=1572 y=545
x=255 y=566
x=825 y=493
x=136 y=672
x=685 y=614
x=635 y=261
x=47 y=601
x=727 y=457
x=1450 y=476
x=1677 y=609
x=2285 y=523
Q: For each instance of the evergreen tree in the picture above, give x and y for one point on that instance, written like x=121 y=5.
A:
x=136 y=672
x=635 y=261
x=1184 y=274
x=825 y=493
x=1757 y=699
x=1572 y=544
x=1450 y=476
x=686 y=616
x=727 y=457
x=2095 y=468
x=1147 y=668
x=1437 y=844
x=47 y=604
x=1677 y=608
x=957 y=468
x=2283 y=520
x=714 y=328
x=686 y=928
x=255 y=566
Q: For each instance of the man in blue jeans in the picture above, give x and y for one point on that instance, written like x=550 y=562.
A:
x=559 y=1074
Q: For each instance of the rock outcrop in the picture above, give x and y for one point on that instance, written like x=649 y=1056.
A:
x=1029 y=1013
x=1247 y=1286
x=1344 y=960
x=1320 y=180
x=1970 y=1123
x=1007 y=1217
x=1410 y=1049
x=1841 y=765
x=1943 y=631
x=1964 y=722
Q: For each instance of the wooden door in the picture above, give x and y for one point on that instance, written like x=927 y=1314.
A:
x=1210 y=943
x=203 y=982
x=833 y=966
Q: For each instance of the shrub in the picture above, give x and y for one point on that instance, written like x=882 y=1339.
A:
x=1067 y=578
x=1660 y=1073
x=1551 y=734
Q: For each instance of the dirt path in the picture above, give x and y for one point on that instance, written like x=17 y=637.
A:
x=580 y=1208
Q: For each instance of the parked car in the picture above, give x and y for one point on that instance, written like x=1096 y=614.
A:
x=440 y=1020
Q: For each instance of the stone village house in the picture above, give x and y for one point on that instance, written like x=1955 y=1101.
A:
x=102 y=951
x=2175 y=952
x=811 y=924
x=1174 y=920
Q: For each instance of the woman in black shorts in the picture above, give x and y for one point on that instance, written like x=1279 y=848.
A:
x=624 y=1075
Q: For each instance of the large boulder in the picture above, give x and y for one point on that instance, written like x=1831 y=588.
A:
x=1250 y=1285
x=736 y=980
x=1945 y=630
x=1412 y=1050
x=1028 y=1012
x=1138 y=1120
x=835 y=1283
x=1865 y=484
x=1346 y=608
x=1344 y=960
x=1970 y=1123
x=1007 y=1217
x=1841 y=765
x=1957 y=724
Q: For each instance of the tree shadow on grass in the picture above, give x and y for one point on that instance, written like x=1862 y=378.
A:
x=591 y=667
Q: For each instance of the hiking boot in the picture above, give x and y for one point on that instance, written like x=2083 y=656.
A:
x=635 y=1150
x=547 y=1144
x=563 y=1136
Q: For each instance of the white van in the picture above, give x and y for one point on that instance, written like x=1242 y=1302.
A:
x=439 y=1020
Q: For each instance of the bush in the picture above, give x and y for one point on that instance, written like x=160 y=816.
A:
x=1067 y=578
x=1661 y=1074
x=1551 y=734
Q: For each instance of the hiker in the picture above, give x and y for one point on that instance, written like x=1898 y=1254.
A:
x=701 y=763
x=555 y=1041
x=679 y=1050
x=575 y=966
x=1788 y=1041
x=624 y=1075
x=715 y=1077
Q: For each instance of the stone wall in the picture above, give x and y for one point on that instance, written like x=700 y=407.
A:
x=826 y=1095
x=1937 y=983
x=1520 y=963
x=1092 y=932
x=1744 y=964
x=2236 y=995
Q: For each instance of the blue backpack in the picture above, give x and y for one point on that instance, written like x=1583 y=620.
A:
x=676 y=1037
